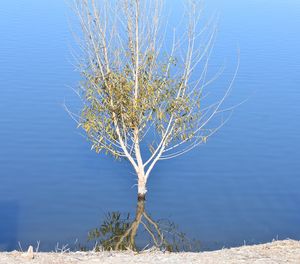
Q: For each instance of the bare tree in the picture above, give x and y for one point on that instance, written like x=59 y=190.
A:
x=143 y=87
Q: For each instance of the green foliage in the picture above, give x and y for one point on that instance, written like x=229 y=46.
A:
x=110 y=103
x=116 y=233
x=110 y=231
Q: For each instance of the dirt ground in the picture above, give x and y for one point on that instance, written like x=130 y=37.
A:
x=286 y=251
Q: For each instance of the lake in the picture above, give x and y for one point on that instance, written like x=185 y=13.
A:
x=243 y=186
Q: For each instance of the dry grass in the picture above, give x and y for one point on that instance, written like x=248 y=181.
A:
x=286 y=251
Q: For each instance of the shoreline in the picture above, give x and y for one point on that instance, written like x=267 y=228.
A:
x=284 y=251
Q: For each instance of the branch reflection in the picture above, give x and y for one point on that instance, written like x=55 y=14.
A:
x=120 y=232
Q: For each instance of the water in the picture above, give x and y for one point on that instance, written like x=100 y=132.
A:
x=241 y=186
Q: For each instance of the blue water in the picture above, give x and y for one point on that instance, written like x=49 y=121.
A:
x=243 y=186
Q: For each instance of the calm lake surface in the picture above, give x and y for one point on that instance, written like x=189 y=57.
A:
x=243 y=186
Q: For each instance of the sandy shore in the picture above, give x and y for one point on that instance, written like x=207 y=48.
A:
x=286 y=251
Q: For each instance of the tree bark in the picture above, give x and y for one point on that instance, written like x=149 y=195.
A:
x=142 y=188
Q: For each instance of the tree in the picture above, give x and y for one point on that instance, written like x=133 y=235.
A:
x=143 y=94
x=119 y=232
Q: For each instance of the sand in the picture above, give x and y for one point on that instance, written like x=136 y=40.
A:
x=286 y=251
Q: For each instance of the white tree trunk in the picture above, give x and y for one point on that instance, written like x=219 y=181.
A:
x=142 y=181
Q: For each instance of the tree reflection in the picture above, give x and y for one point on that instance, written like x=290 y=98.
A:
x=120 y=232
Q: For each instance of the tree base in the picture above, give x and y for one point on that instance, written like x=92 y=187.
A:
x=141 y=197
